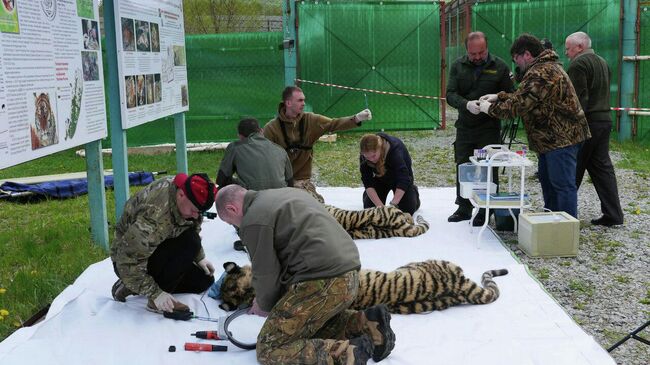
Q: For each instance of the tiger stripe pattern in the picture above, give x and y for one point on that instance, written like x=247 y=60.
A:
x=378 y=222
x=418 y=287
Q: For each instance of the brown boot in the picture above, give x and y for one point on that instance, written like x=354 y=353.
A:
x=378 y=327
x=120 y=291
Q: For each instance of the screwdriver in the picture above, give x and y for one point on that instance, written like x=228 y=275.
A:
x=208 y=335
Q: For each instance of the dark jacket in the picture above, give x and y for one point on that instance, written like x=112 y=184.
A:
x=399 y=173
x=469 y=82
x=259 y=164
x=313 y=127
x=547 y=103
x=590 y=76
x=291 y=238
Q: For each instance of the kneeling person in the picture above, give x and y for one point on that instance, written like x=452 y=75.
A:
x=306 y=274
x=157 y=248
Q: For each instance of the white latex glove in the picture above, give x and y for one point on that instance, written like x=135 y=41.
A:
x=164 y=301
x=489 y=97
x=207 y=266
x=473 y=106
x=255 y=309
x=364 y=115
x=485 y=106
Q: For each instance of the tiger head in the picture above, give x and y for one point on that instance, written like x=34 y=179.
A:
x=237 y=286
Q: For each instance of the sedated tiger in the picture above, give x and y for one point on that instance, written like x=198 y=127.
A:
x=378 y=222
x=414 y=288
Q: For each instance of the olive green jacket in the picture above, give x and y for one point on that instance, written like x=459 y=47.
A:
x=469 y=82
x=259 y=164
x=314 y=125
x=291 y=238
x=590 y=76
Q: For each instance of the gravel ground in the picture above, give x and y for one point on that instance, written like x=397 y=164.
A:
x=606 y=288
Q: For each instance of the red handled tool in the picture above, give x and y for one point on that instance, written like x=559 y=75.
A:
x=208 y=335
x=191 y=346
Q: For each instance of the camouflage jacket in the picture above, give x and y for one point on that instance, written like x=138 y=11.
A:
x=150 y=217
x=313 y=127
x=547 y=103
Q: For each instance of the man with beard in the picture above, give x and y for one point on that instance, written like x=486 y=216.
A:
x=555 y=123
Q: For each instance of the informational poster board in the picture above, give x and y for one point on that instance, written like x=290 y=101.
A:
x=51 y=78
x=150 y=59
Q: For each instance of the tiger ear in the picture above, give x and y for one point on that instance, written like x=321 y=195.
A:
x=231 y=267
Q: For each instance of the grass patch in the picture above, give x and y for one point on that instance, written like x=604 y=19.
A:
x=646 y=300
x=581 y=287
x=635 y=156
x=610 y=258
x=612 y=336
x=543 y=273
x=623 y=279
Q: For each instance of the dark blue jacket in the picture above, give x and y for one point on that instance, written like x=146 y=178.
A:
x=399 y=173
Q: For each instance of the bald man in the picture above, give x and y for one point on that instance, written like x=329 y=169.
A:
x=470 y=77
x=590 y=76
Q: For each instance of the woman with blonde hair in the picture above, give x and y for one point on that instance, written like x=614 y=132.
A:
x=385 y=166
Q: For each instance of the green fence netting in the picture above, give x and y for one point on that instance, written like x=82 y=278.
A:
x=503 y=21
x=388 y=46
x=229 y=76
x=643 y=122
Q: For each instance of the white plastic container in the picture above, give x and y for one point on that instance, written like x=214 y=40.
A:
x=473 y=177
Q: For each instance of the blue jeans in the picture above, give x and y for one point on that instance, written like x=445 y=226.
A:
x=557 y=175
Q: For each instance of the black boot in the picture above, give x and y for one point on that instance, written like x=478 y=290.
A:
x=460 y=214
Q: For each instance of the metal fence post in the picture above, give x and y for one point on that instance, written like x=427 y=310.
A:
x=627 y=68
x=181 y=143
x=289 y=43
x=118 y=134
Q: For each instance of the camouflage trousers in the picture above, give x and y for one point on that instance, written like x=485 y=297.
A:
x=309 y=187
x=311 y=323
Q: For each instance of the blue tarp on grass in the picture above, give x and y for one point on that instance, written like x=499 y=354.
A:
x=69 y=188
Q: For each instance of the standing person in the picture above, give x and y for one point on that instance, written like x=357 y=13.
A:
x=554 y=121
x=471 y=76
x=297 y=131
x=305 y=271
x=590 y=76
x=157 y=248
x=385 y=165
x=259 y=163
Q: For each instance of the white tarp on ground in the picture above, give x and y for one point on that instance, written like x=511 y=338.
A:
x=524 y=326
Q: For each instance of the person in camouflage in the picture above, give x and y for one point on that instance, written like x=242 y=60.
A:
x=297 y=131
x=555 y=123
x=305 y=275
x=157 y=248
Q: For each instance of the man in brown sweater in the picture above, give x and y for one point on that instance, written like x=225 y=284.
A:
x=297 y=131
x=590 y=76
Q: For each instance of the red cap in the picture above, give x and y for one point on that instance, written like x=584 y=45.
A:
x=198 y=188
